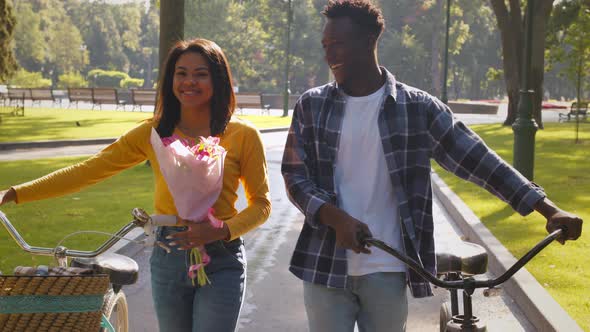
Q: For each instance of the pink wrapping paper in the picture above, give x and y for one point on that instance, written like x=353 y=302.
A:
x=194 y=183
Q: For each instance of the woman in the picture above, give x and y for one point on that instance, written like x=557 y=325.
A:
x=195 y=98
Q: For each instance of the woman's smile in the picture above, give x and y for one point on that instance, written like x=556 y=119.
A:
x=193 y=86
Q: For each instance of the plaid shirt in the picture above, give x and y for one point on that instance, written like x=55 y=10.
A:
x=414 y=128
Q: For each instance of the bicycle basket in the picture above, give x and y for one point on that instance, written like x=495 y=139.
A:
x=51 y=303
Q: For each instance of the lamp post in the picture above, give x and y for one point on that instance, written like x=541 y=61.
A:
x=83 y=48
x=287 y=91
x=525 y=126
x=444 y=97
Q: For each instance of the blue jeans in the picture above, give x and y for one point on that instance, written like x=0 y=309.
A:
x=377 y=302
x=182 y=307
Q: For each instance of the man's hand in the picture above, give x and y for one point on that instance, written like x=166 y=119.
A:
x=572 y=223
x=7 y=196
x=346 y=227
x=557 y=218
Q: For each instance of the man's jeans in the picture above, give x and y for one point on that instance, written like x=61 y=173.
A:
x=182 y=307
x=377 y=302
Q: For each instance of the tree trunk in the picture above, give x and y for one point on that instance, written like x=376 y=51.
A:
x=171 y=27
x=511 y=26
x=541 y=16
x=511 y=33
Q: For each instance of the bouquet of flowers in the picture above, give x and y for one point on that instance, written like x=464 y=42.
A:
x=194 y=174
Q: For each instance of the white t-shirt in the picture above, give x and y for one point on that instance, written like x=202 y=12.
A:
x=363 y=185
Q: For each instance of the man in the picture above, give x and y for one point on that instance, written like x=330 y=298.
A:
x=357 y=159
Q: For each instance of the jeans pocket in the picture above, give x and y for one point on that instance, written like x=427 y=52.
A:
x=229 y=254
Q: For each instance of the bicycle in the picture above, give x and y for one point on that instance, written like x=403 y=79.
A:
x=121 y=270
x=457 y=269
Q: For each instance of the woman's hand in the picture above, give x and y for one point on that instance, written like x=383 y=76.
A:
x=198 y=234
x=8 y=195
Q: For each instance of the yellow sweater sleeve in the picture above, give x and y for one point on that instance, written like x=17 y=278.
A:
x=127 y=151
x=245 y=162
x=254 y=178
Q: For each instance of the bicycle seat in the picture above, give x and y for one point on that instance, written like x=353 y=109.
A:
x=122 y=270
x=461 y=256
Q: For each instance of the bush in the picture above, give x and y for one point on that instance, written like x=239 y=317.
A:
x=106 y=78
x=71 y=80
x=128 y=83
x=27 y=79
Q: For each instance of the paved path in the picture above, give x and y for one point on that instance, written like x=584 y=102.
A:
x=273 y=298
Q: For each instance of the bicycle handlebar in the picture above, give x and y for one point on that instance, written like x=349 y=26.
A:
x=137 y=222
x=468 y=283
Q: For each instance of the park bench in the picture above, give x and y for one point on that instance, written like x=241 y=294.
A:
x=274 y=100
x=244 y=100
x=141 y=97
x=17 y=96
x=16 y=100
x=102 y=96
x=76 y=95
x=581 y=111
x=39 y=94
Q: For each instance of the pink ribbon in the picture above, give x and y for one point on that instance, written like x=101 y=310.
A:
x=205 y=258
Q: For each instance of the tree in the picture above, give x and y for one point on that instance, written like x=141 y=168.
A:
x=410 y=45
x=128 y=18
x=511 y=21
x=307 y=64
x=62 y=40
x=474 y=50
x=98 y=26
x=435 y=48
x=7 y=22
x=28 y=38
x=572 y=23
x=149 y=43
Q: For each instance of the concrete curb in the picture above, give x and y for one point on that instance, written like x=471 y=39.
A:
x=91 y=141
x=54 y=144
x=536 y=303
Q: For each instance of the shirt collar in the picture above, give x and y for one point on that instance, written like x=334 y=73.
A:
x=390 y=88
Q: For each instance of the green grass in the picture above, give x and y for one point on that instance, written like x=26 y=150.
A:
x=102 y=207
x=40 y=124
x=563 y=169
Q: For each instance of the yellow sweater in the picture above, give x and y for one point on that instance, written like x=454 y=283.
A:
x=244 y=161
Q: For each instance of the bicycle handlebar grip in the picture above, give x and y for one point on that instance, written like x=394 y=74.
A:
x=140 y=216
x=558 y=232
x=362 y=236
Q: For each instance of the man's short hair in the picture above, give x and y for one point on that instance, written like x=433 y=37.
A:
x=362 y=12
